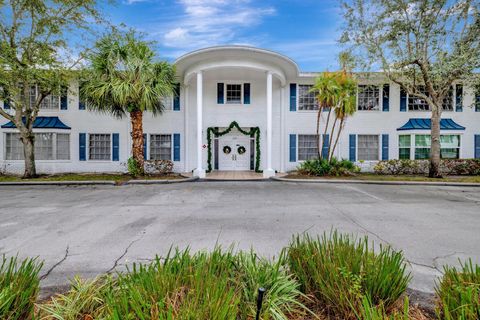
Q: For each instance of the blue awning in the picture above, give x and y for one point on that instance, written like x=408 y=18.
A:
x=425 y=124
x=42 y=123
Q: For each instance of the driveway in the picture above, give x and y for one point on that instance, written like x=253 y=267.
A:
x=89 y=230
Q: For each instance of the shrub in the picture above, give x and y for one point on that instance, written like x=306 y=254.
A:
x=84 y=300
x=158 y=167
x=340 y=271
x=447 y=167
x=323 y=167
x=458 y=293
x=282 y=290
x=371 y=312
x=133 y=167
x=19 y=286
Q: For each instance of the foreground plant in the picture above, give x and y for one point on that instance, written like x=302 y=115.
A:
x=340 y=271
x=19 y=287
x=458 y=293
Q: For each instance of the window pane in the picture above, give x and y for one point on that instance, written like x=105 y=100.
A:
x=450 y=153
x=404 y=153
x=50 y=102
x=422 y=153
x=167 y=103
x=306 y=99
x=418 y=104
x=368 y=148
x=422 y=140
x=160 y=147
x=368 y=97
x=99 y=147
x=14 y=147
x=234 y=93
x=63 y=146
x=404 y=141
x=307 y=147
x=447 y=104
x=450 y=141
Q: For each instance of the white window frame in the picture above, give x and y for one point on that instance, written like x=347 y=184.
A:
x=454 y=100
x=149 y=139
x=169 y=100
x=298 y=98
x=413 y=147
x=379 y=155
x=380 y=97
x=226 y=83
x=54 y=146
x=88 y=147
x=298 y=144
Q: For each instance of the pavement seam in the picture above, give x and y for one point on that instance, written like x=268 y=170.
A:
x=116 y=262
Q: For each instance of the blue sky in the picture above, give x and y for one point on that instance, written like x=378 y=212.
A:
x=305 y=30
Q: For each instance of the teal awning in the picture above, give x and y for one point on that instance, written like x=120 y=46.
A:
x=42 y=123
x=425 y=124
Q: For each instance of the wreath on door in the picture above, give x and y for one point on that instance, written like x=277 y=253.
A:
x=241 y=150
x=227 y=149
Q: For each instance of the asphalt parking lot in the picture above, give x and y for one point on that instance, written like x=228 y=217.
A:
x=88 y=230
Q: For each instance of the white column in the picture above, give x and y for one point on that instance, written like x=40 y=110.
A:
x=186 y=133
x=269 y=172
x=282 y=128
x=199 y=171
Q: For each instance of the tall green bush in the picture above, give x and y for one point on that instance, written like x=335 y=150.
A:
x=340 y=271
x=458 y=293
x=19 y=287
x=324 y=167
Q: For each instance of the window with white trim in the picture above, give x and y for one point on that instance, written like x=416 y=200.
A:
x=368 y=98
x=50 y=102
x=99 y=146
x=307 y=100
x=160 y=147
x=234 y=93
x=167 y=103
x=417 y=146
x=307 y=147
x=368 y=147
x=419 y=104
x=48 y=146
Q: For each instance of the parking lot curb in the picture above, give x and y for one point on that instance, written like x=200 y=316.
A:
x=57 y=183
x=134 y=182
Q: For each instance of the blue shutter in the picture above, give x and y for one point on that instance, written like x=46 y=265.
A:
x=176 y=98
x=64 y=99
x=477 y=102
x=116 y=147
x=82 y=144
x=403 y=100
x=384 y=146
x=353 y=147
x=477 y=146
x=459 y=98
x=81 y=102
x=293 y=148
x=293 y=97
x=6 y=104
x=325 y=145
x=145 y=147
x=220 y=88
x=246 y=93
x=176 y=147
x=386 y=97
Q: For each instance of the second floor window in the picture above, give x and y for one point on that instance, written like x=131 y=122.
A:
x=419 y=104
x=368 y=98
x=234 y=93
x=306 y=98
x=50 y=102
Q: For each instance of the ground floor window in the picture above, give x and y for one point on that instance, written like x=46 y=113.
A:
x=48 y=146
x=160 y=147
x=368 y=147
x=99 y=147
x=418 y=146
x=307 y=147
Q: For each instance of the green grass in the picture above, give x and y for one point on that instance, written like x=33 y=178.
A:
x=378 y=177
x=340 y=271
x=459 y=293
x=19 y=286
x=88 y=177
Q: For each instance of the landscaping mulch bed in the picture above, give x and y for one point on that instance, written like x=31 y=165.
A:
x=378 y=177
x=119 y=178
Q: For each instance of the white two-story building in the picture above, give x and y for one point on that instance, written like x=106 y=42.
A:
x=268 y=97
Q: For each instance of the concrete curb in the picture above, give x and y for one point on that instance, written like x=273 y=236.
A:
x=58 y=183
x=394 y=183
x=134 y=182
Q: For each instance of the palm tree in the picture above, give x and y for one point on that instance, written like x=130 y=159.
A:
x=124 y=78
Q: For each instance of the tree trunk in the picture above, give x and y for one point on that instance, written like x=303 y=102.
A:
x=434 y=171
x=340 y=129
x=136 y=118
x=319 y=114
x=28 y=140
x=331 y=137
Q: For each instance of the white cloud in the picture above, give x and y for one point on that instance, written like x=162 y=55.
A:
x=210 y=22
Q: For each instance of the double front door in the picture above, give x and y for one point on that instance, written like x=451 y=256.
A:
x=234 y=153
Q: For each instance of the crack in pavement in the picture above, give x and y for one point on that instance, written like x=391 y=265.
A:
x=46 y=274
x=116 y=262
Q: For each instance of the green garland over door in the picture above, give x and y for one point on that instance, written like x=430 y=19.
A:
x=254 y=132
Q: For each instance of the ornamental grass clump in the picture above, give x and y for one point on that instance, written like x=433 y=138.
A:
x=340 y=271
x=458 y=293
x=19 y=287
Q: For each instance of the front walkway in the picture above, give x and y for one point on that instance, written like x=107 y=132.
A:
x=235 y=175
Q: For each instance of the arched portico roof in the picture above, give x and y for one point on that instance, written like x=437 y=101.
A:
x=211 y=58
